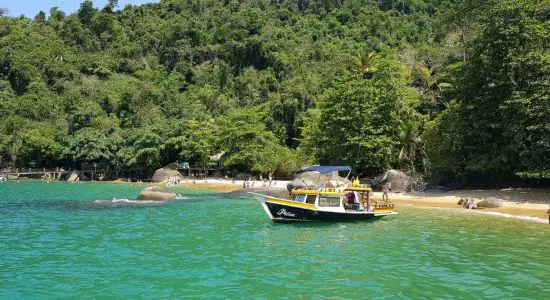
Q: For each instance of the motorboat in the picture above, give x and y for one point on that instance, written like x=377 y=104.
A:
x=332 y=199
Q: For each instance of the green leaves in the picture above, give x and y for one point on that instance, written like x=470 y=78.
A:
x=361 y=120
x=19 y=80
x=454 y=87
x=364 y=65
x=198 y=141
x=249 y=146
x=90 y=145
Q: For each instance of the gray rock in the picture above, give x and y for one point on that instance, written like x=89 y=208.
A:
x=398 y=181
x=490 y=202
x=74 y=176
x=164 y=174
x=156 y=193
x=468 y=203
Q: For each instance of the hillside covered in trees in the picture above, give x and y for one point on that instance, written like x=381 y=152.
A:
x=443 y=88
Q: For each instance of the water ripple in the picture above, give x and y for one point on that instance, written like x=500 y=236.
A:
x=220 y=246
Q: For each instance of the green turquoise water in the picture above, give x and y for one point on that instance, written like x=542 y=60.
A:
x=56 y=242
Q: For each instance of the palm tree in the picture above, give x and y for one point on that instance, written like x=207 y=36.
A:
x=429 y=85
x=428 y=80
x=411 y=139
x=363 y=65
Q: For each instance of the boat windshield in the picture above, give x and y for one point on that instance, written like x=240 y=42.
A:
x=310 y=199
x=298 y=198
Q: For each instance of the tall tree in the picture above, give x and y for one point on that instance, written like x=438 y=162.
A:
x=505 y=92
x=361 y=120
x=86 y=12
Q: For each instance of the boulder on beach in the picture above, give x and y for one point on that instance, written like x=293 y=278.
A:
x=399 y=181
x=156 y=193
x=468 y=203
x=164 y=174
x=74 y=176
x=490 y=202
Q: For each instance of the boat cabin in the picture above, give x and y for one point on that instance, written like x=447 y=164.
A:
x=354 y=198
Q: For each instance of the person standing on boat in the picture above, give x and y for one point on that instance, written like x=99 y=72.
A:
x=351 y=201
x=386 y=188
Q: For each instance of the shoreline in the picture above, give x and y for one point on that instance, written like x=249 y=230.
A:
x=524 y=211
x=525 y=207
x=523 y=204
x=515 y=204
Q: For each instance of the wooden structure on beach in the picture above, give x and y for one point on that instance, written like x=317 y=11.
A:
x=196 y=170
x=55 y=174
x=91 y=171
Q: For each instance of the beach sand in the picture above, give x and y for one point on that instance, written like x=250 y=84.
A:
x=527 y=204
x=534 y=207
x=227 y=185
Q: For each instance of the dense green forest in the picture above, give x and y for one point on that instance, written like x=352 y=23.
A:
x=441 y=88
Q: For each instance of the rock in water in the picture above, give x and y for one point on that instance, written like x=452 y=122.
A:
x=156 y=193
x=164 y=174
x=490 y=202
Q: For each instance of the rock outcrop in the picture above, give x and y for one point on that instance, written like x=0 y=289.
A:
x=164 y=174
x=74 y=176
x=399 y=181
x=156 y=193
x=468 y=203
x=490 y=202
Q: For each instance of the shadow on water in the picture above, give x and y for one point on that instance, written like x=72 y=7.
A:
x=317 y=224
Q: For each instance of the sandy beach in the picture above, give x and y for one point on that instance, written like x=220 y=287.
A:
x=526 y=204
x=228 y=185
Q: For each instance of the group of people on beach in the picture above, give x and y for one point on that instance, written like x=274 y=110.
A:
x=265 y=182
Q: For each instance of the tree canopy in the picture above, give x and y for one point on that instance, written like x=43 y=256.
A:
x=450 y=88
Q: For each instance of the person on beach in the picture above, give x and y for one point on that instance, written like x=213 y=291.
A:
x=548 y=213
x=386 y=188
